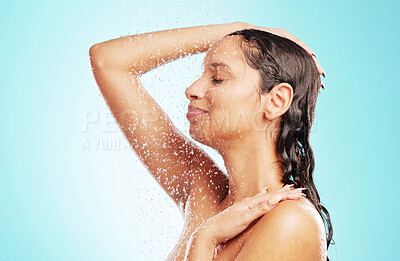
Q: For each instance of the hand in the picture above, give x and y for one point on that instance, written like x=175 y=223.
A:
x=235 y=219
x=286 y=34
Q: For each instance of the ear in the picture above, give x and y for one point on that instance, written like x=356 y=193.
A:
x=278 y=101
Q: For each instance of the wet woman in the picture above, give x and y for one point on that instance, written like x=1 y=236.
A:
x=254 y=103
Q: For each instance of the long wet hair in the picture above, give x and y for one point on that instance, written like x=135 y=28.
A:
x=280 y=60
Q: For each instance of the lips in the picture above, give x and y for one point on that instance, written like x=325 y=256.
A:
x=194 y=111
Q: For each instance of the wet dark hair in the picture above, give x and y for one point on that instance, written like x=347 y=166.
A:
x=280 y=60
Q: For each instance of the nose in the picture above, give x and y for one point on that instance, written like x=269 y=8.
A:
x=195 y=91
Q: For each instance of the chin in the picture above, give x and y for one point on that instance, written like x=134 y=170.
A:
x=197 y=135
x=194 y=132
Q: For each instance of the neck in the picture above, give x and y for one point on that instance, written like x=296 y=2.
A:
x=251 y=166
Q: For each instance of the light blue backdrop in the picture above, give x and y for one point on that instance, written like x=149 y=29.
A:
x=71 y=189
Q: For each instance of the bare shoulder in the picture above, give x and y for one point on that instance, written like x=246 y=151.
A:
x=297 y=214
x=293 y=230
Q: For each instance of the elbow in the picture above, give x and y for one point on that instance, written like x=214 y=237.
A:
x=94 y=55
x=92 y=51
x=104 y=57
x=101 y=57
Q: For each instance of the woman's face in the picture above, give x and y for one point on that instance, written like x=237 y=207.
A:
x=228 y=92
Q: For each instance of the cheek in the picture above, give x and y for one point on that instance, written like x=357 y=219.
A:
x=221 y=107
x=230 y=117
x=235 y=112
x=225 y=98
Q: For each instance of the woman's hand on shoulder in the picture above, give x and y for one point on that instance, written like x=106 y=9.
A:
x=235 y=219
x=285 y=233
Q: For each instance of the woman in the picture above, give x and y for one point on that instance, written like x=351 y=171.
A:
x=254 y=103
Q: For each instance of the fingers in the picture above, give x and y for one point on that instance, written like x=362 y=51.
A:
x=265 y=190
x=278 y=196
x=251 y=208
x=286 y=34
x=299 y=42
x=322 y=84
x=287 y=192
x=275 y=199
x=262 y=205
x=320 y=70
x=295 y=194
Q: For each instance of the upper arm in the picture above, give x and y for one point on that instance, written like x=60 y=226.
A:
x=166 y=152
x=290 y=231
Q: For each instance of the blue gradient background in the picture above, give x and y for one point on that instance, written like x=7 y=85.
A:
x=71 y=189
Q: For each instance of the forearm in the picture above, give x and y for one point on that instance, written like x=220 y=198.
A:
x=200 y=247
x=144 y=52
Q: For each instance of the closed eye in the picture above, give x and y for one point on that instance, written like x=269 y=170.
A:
x=216 y=81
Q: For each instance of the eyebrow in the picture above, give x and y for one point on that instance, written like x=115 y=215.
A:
x=219 y=64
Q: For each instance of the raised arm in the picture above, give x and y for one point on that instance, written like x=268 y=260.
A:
x=169 y=155
x=143 y=52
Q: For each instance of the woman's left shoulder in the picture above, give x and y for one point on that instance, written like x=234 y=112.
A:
x=303 y=209
x=295 y=222
x=299 y=215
